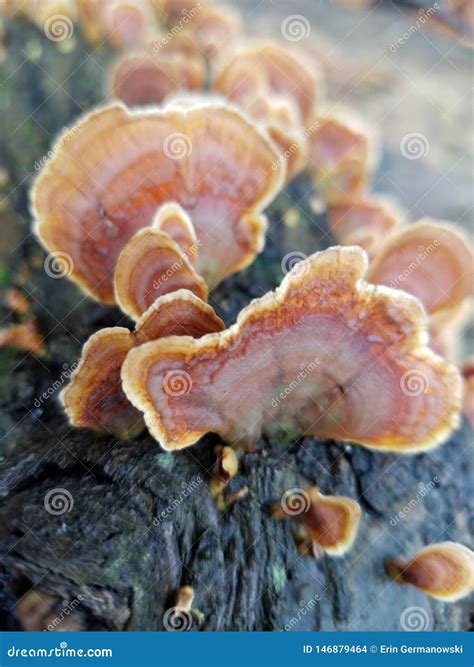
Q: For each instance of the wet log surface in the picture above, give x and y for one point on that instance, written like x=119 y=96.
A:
x=141 y=522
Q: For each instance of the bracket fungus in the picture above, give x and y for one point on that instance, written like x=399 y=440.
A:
x=109 y=174
x=330 y=523
x=432 y=261
x=147 y=78
x=444 y=571
x=341 y=157
x=354 y=345
x=94 y=398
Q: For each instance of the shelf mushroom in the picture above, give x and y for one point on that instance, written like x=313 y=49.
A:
x=330 y=523
x=444 y=571
x=110 y=172
x=94 y=398
x=325 y=354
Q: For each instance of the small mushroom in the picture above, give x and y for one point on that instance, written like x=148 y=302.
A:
x=330 y=523
x=224 y=469
x=341 y=157
x=444 y=571
x=348 y=356
x=94 y=398
x=126 y=23
x=173 y=219
x=152 y=265
x=24 y=336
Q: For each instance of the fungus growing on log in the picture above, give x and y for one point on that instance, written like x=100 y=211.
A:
x=444 y=571
x=341 y=157
x=364 y=221
x=109 y=174
x=430 y=260
x=278 y=71
x=94 y=398
x=325 y=354
x=147 y=78
x=151 y=265
x=330 y=522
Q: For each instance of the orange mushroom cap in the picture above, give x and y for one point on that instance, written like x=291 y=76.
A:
x=331 y=522
x=444 y=571
x=109 y=173
x=144 y=78
x=173 y=219
x=151 y=265
x=325 y=354
x=363 y=221
x=94 y=398
x=341 y=157
x=432 y=261
x=280 y=72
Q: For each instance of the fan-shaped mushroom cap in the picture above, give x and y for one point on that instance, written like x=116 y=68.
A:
x=126 y=22
x=173 y=10
x=151 y=265
x=215 y=29
x=325 y=354
x=279 y=71
x=444 y=571
x=144 y=78
x=173 y=219
x=341 y=157
x=331 y=522
x=364 y=221
x=109 y=174
x=430 y=260
x=94 y=398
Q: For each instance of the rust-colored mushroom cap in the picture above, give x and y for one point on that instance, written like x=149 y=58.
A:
x=331 y=522
x=151 y=265
x=94 y=398
x=145 y=78
x=430 y=260
x=109 y=173
x=341 y=157
x=364 y=221
x=444 y=571
x=280 y=72
x=325 y=354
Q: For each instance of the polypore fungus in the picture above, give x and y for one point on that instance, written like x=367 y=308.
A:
x=94 y=398
x=151 y=265
x=444 y=571
x=278 y=71
x=224 y=469
x=109 y=173
x=325 y=354
x=174 y=220
x=330 y=522
x=341 y=156
x=147 y=78
x=430 y=260
x=364 y=221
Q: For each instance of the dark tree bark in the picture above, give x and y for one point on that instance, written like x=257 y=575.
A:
x=141 y=522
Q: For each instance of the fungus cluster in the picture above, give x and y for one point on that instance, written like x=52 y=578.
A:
x=155 y=205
